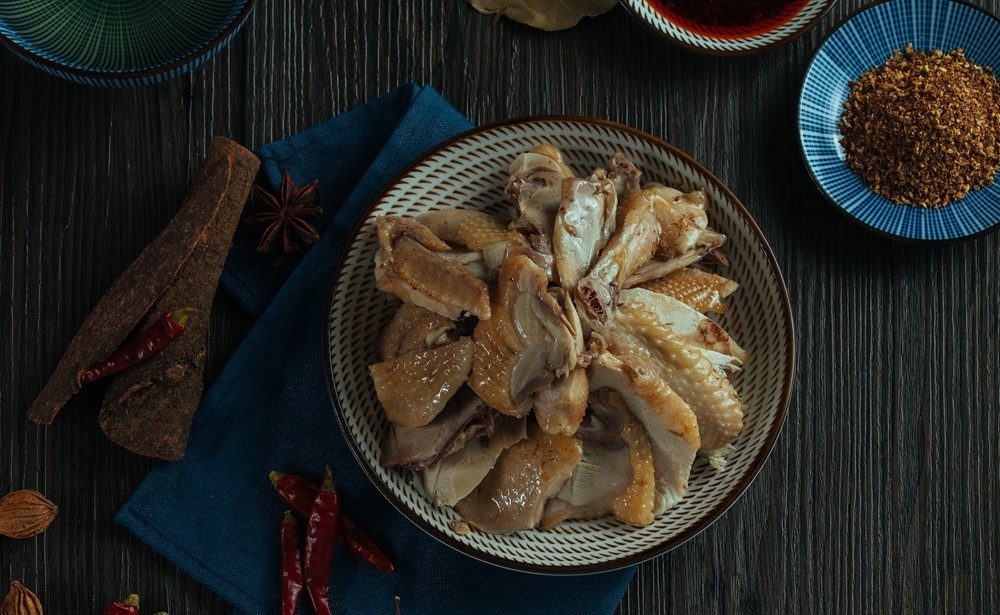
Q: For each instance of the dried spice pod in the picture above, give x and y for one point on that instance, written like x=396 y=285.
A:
x=20 y=601
x=25 y=513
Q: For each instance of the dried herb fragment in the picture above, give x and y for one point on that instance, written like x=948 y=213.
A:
x=287 y=215
x=923 y=128
x=20 y=601
x=25 y=513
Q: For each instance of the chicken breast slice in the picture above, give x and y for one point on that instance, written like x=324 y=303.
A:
x=473 y=229
x=702 y=290
x=413 y=328
x=669 y=423
x=513 y=495
x=408 y=266
x=414 y=388
x=559 y=409
x=527 y=343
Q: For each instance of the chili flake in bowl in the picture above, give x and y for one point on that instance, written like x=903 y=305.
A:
x=923 y=128
x=899 y=118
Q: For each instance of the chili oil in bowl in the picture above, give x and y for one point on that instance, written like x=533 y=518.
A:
x=109 y=43
x=471 y=171
x=880 y=51
x=729 y=27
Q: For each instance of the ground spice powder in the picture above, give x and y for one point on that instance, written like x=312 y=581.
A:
x=923 y=128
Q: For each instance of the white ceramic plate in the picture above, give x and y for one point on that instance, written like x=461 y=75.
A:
x=471 y=171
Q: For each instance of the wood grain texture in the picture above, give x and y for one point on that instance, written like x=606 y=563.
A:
x=880 y=494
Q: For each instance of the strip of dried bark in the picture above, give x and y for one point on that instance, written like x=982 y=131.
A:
x=145 y=280
x=149 y=408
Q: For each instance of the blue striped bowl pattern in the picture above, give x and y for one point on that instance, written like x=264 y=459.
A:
x=119 y=43
x=868 y=39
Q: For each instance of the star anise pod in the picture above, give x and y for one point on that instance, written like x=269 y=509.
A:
x=287 y=216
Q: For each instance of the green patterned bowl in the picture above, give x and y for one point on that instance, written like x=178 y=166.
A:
x=119 y=43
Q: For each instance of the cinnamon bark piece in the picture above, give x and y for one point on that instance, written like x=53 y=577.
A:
x=224 y=178
x=149 y=408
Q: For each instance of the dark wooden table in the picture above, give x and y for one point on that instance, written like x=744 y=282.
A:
x=881 y=493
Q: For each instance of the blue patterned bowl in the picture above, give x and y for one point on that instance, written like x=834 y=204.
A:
x=112 y=43
x=863 y=41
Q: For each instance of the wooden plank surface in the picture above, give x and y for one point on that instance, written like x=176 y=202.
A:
x=880 y=496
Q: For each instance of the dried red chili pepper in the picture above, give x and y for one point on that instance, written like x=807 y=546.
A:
x=128 y=606
x=145 y=345
x=362 y=546
x=300 y=492
x=291 y=565
x=321 y=540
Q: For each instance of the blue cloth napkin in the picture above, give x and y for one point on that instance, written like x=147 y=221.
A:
x=215 y=514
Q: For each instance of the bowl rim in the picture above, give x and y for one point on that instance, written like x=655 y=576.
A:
x=722 y=53
x=702 y=523
x=109 y=76
x=827 y=197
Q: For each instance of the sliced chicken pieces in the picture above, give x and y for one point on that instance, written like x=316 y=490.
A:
x=604 y=472
x=455 y=476
x=463 y=418
x=686 y=369
x=526 y=344
x=702 y=290
x=583 y=225
x=413 y=328
x=473 y=229
x=669 y=423
x=689 y=324
x=415 y=387
x=534 y=187
x=513 y=495
x=408 y=265
x=559 y=409
x=683 y=222
x=630 y=246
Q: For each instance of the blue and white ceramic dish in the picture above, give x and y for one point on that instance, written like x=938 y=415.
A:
x=119 y=44
x=865 y=40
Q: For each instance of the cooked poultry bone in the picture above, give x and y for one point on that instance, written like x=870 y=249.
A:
x=631 y=245
x=583 y=225
x=623 y=173
x=528 y=342
x=407 y=265
x=683 y=222
x=534 y=187
x=658 y=268
x=670 y=424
